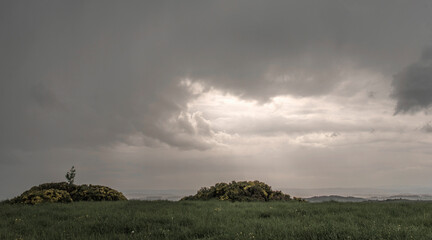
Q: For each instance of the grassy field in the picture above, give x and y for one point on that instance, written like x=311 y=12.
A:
x=217 y=220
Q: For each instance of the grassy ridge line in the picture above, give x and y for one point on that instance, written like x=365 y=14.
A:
x=217 y=220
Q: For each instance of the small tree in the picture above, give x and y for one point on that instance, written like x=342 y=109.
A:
x=70 y=176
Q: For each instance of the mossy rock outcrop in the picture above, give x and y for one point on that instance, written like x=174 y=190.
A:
x=241 y=191
x=65 y=192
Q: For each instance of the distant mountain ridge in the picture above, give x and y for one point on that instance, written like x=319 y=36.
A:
x=412 y=197
x=319 y=196
x=335 y=198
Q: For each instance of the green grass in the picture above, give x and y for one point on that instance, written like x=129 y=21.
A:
x=217 y=220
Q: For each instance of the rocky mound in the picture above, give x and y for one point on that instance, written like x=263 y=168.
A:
x=241 y=191
x=65 y=192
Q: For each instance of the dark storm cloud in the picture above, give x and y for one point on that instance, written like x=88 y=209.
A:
x=413 y=86
x=86 y=74
x=260 y=50
x=77 y=74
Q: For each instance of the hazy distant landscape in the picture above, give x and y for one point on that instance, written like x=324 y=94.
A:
x=358 y=194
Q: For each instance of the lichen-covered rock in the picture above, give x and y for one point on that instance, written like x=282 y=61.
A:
x=65 y=192
x=240 y=191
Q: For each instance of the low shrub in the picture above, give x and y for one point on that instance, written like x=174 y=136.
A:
x=96 y=193
x=34 y=196
x=65 y=192
x=56 y=185
x=240 y=191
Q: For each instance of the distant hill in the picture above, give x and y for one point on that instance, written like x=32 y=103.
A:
x=335 y=198
x=412 y=197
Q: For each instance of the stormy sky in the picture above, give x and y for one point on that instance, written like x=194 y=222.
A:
x=184 y=94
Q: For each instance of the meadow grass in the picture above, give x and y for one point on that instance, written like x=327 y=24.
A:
x=217 y=220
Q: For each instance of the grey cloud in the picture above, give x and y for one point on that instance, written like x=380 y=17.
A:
x=187 y=131
x=87 y=74
x=260 y=50
x=427 y=128
x=83 y=79
x=274 y=125
x=412 y=87
x=334 y=134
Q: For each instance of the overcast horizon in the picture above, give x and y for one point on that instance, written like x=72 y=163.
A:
x=185 y=94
